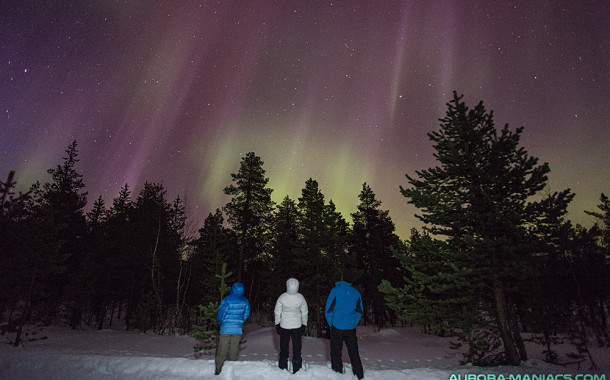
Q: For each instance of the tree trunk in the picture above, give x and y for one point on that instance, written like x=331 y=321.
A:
x=516 y=331
x=240 y=262
x=504 y=326
x=27 y=307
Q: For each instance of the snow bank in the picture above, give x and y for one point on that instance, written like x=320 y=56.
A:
x=112 y=354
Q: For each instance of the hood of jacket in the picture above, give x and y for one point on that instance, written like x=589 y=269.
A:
x=292 y=286
x=237 y=289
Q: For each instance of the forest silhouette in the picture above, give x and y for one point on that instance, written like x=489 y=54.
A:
x=496 y=256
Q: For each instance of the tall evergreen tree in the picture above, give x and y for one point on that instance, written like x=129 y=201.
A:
x=157 y=246
x=95 y=274
x=603 y=218
x=312 y=257
x=30 y=256
x=125 y=268
x=65 y=199
x=249 y=212
x=11 y=214
x=285 y=243
x=371 y=241
x=34 y=259
x=213 y=248
x=336 y=241
x=478 y=199
x=436 y=294
x=546 y=290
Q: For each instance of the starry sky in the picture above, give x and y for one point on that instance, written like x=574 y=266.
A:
x=345 y=92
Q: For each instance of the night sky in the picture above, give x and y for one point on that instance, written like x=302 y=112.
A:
x=344 y=92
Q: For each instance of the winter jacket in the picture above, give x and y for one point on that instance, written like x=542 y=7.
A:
x=233 y=311
x=343 y=306
x=291 y=308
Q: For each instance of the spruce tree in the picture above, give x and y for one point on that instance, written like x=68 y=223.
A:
x=371 y=241
x=34 y=259
x=603 y=219
x=96 y=274
x=313 y=261
x=206 y=333
x=157 y=243
x=479 y=199
x=602 y=254
x=213 y=249
x=436 y=294
x=65 y=199
x=249 y=211
x=336 y=241
x=30 y=255
x=285 y=244
x=125 y=269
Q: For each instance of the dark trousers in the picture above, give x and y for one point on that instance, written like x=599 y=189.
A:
x=285 y=336
x=337 y=337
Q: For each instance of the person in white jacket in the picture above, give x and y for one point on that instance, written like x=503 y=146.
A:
x=290 y=322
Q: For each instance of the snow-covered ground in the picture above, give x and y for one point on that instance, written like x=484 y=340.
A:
x=393 y=353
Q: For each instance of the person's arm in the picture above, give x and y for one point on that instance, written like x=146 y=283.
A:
x=359 y=305
x=330 y=307
x=247 y=312
x=221 y=312
x=278 y=310
x=304 y=312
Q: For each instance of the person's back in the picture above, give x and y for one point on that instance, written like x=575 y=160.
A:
x=343 y=312
x=290 y=316
x=233 y=311
x=344 y=306
x=291 y=308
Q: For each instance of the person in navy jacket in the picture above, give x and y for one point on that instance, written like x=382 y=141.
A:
x=343 y=312
x=232 y=313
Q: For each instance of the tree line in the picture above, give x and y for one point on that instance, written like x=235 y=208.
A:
x=134 y=262
x=496 y=256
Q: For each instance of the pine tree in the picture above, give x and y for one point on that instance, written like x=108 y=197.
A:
x=96 y=274
x=372 y=238
x=285 y=243
x=601 y=254
x=206 y=333
x=603 y=217
x=312 y=259
x=157 y=243
x=65 y=199
x=213 y=249
x=336 y=241
x=125 y=269
x=30 y=256
x=478 y=199
x=249 y=210
x=436 y=293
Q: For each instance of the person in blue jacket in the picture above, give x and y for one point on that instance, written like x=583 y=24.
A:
x=343 y=312
x=232 y=313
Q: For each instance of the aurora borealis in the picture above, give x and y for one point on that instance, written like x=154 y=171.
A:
x=176 y=92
